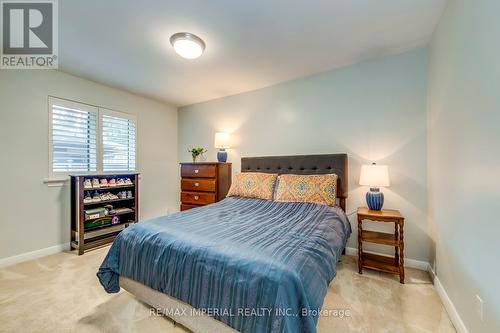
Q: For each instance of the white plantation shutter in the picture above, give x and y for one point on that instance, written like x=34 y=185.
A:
x=86 y=139
x=73 y=136
x=118 y=141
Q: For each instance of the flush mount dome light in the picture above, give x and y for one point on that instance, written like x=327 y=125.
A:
x=187 y=45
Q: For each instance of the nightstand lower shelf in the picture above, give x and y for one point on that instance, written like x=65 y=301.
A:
x=380 y=263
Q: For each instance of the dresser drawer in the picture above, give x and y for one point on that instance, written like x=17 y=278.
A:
x=195 y=171
x=205 y=185
x=197 y=198
x=187 y=206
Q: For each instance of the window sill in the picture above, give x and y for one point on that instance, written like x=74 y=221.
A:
x=56 y=182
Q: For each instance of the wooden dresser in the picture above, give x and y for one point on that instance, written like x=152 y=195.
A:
x=204 y=183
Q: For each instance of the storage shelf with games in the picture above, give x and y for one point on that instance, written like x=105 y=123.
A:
x=101 y=207
x=106 y=201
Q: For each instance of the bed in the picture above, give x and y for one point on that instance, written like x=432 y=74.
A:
x=239 y=265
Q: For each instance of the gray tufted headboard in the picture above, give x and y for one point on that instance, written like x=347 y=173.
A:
x=303 y=165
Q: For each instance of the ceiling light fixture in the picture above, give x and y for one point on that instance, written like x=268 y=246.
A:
x=187 y=45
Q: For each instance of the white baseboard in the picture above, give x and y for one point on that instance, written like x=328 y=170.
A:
x=448 y=304
x=410 y=263
x=4 y=262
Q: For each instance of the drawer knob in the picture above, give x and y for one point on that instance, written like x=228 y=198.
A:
x=196 y=197
x=196 y=184
x=196 y=171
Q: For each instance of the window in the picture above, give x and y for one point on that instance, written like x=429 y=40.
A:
x=88 y=139
x=118 y=142
x=73 y=136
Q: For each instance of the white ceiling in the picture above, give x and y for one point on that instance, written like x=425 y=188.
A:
x=250 y=43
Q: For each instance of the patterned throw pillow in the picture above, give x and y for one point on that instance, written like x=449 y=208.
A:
x=253 y=185
x=320 y=189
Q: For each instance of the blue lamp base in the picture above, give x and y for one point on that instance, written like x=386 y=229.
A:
x=222 y=155
x=375 y=198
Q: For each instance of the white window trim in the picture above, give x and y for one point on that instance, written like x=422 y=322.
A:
x=58 y=178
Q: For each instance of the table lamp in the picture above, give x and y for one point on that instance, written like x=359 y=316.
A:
x=222 y=143
x=374 y=175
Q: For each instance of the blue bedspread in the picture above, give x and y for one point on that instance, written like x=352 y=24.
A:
x=255 y=265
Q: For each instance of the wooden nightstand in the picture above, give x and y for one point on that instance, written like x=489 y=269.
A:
x=394 y=264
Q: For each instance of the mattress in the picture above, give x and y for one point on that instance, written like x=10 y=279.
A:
x=255 y=265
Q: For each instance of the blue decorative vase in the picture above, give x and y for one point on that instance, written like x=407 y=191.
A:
x=375 y=198
x=222 y=155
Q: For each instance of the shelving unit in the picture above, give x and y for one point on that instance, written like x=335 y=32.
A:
x=127 y=211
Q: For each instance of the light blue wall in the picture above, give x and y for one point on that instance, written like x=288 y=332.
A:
x=374 y=111
x=464 y=158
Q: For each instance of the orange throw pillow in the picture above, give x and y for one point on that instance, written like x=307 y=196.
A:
x=320 y=189
x=253 y=185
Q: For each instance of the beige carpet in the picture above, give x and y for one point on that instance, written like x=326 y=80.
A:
x=60 y=293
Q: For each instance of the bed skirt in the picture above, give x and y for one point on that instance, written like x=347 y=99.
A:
x=175 y=309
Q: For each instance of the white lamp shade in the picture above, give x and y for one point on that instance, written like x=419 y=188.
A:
x=222 y=140
x=374 y=175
